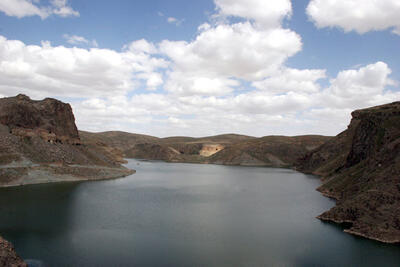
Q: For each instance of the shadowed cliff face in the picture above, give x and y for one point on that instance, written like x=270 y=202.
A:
x=361 y=169
x=8 y=256
x=50 y=119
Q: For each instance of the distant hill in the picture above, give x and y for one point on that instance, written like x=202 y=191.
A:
x=227 y=149
x=273 y=151
x=361 y=170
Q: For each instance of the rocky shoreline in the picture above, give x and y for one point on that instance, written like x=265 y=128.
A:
x=51 y=174
x=360 y=169
x=8 y=256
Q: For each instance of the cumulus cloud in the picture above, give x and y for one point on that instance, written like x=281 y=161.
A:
x=292 y=80
x=27 y=8
x=47 y=70
x=267 y=13
x=356 y=15
x=21 y=8
x=225 y=52
x=238 y=50
x=184 y=83
x=280 y=110
x=141 y=46
x=361 y=87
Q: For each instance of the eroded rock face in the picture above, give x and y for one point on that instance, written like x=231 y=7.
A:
x=50 y=119
x=8 y=256
x=39 y=143
x=361 y=170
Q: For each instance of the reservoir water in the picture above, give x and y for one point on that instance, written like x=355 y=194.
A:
x=183 y=215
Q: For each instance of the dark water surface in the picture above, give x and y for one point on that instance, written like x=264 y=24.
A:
x=183 y=215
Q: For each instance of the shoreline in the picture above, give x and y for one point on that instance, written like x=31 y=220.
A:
x=48 y=174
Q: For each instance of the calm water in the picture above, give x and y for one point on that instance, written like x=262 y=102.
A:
x=183 y=215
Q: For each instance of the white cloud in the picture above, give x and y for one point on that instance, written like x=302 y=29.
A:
x=75 y=39
x=266 y=13
x=47 y=70
x=21 y=8
x=356 y=15
x=27 y=8
x=289 y=111
x=224 y=51
x=183 y=83
x=153 y=79
x=79 y=40
x=177 y=22
x=360 y=88
x=292 y=80
x=61 y=9
x=171 y=20
x=141 y=46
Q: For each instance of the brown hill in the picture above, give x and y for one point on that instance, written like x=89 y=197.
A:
x=115 y=142
x=39 y=142
x=361 y=170
x=117 y=139
x=273 y=151
x=227 y=149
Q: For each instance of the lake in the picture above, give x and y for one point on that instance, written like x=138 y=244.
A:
x=183 y=215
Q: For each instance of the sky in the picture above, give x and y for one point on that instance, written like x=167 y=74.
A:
x=201 y=68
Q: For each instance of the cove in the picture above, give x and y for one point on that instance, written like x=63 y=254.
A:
x=183 y=215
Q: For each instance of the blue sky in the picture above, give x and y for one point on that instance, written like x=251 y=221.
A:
x=113 y=24
x=257 y=67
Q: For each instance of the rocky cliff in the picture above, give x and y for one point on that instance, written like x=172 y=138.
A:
x=50 y=119
x=361 y=170
x=8 y=256
x=39 y=142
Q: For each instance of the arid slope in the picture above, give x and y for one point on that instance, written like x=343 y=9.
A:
x=228 y=149
x=39 y=143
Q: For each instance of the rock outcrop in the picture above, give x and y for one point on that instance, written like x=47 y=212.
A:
x=50 y=119
x=361 y=170
x=8 y=256
x=39 y=143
